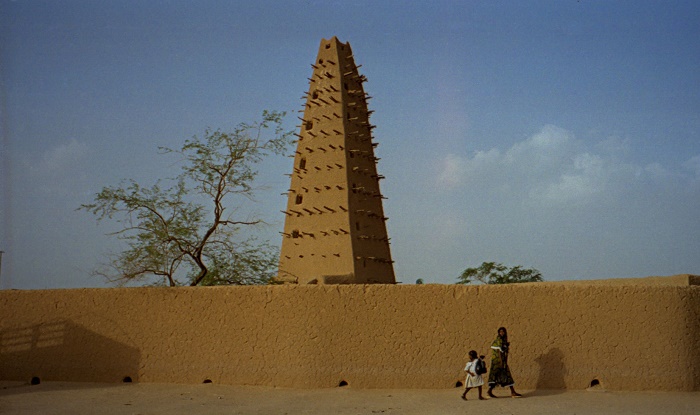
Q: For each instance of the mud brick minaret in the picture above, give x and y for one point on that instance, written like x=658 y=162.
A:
x=335 y=231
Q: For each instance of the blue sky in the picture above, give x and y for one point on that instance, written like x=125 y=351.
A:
x=559 y=135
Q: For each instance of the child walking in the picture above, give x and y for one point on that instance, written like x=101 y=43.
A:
x=474 y=379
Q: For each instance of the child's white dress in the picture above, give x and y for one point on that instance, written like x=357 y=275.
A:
x=472 y=381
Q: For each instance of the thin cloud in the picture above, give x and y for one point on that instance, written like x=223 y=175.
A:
x=693 y=165
x=62 y=156
x=550 y=147
x=582 y=181
x=552 y=168
x=452 y=172
x=58 y=169
x=59 y=159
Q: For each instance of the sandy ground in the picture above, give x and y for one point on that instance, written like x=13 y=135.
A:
x=112 y=399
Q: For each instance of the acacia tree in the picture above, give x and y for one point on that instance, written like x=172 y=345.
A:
x=184 y=233
x=496 y=273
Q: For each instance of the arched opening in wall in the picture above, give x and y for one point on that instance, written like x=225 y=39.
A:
x=342 y=384
x=357 y=226
x=459 y=384
x=320 y=61
x=207 y=381
x=295 y=233
x=345 y=85
x=299 y=199
x=35 y=380
x=309 y=125
x=314 y=94
x=127 y=379
x=302 y=163
x=328 y=45
x=595 y=385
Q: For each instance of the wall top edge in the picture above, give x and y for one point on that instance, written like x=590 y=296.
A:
x=682 y=280
x=672 y=280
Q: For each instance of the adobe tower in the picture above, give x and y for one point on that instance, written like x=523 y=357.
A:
x=334 y=230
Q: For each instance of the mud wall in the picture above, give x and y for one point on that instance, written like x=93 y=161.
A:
x=627 y=336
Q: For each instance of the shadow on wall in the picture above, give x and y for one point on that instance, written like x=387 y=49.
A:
x=551 y=373
x=65 y=351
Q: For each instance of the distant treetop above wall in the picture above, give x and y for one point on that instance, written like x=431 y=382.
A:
x=497 y=273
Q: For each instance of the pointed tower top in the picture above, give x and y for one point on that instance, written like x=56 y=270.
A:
x=335 y=230
x=334 y=41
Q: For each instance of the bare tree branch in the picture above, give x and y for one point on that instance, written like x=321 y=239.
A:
x=171 y=235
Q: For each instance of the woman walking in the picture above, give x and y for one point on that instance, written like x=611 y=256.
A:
x=500 y=372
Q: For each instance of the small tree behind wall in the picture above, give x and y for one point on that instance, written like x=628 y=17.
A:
x=184 y=233
x=496 y=273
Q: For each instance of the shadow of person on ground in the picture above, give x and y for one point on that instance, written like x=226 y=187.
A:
x=550 y=380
